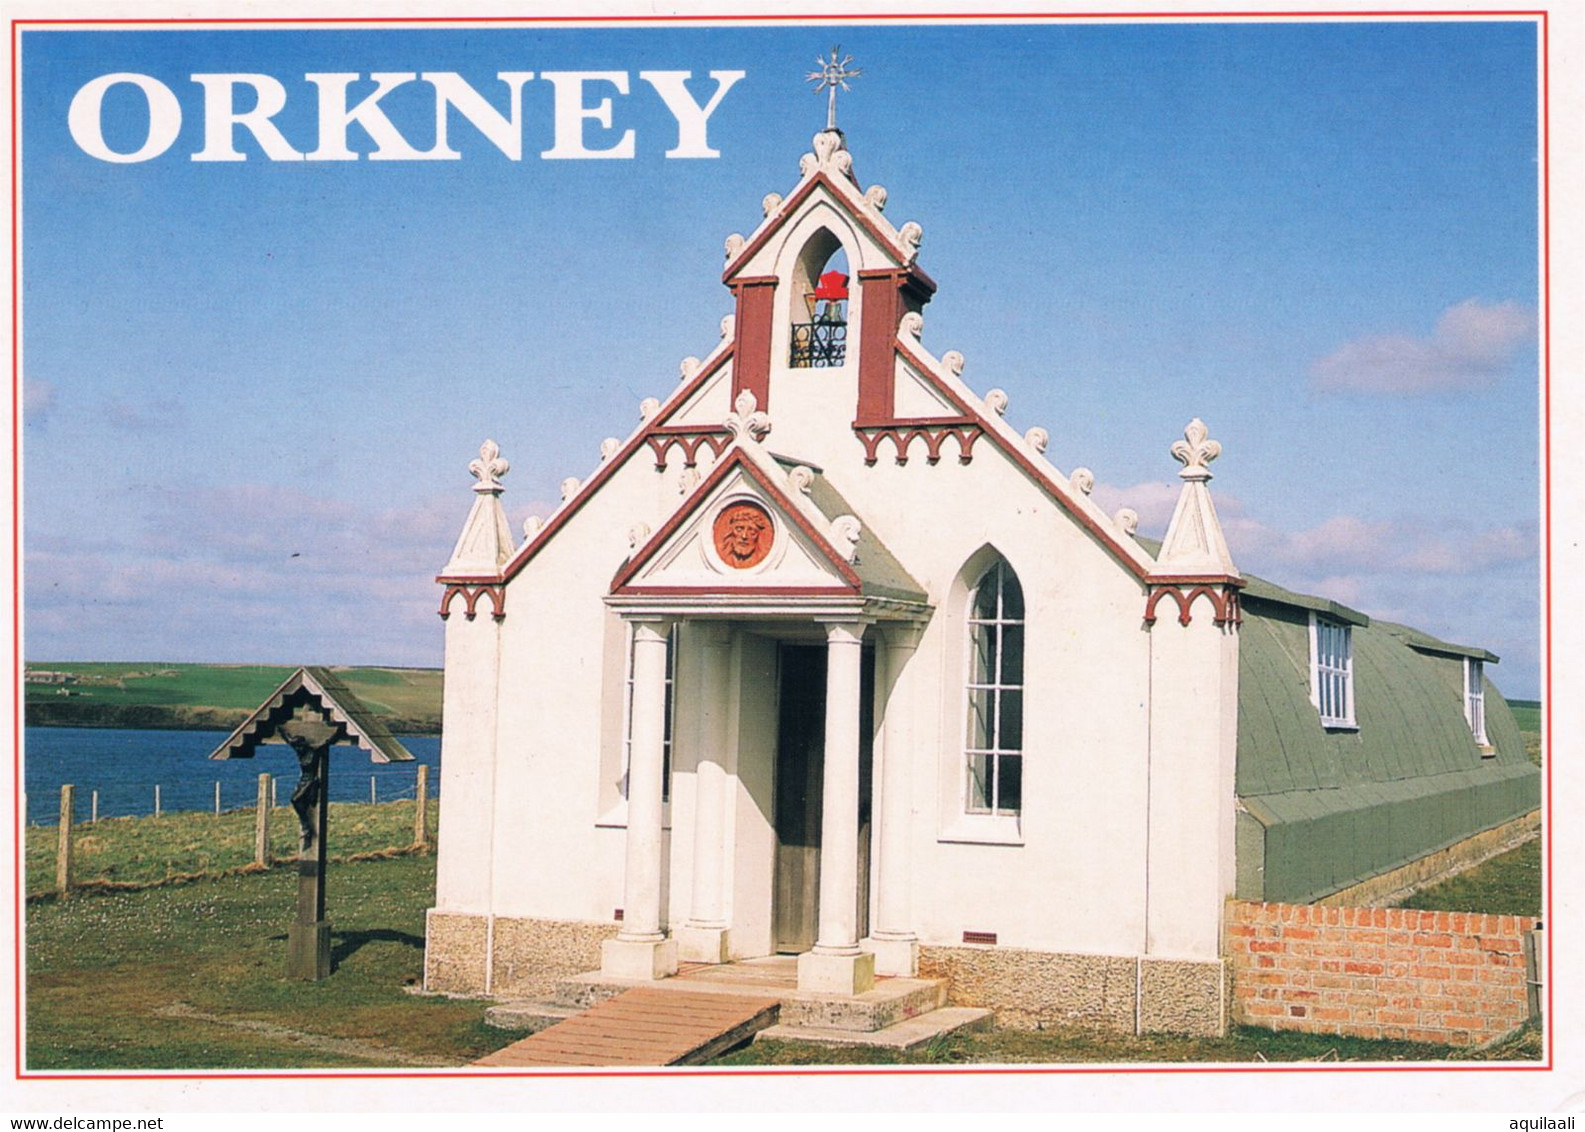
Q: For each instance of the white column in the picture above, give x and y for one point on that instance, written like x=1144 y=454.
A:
x=837 y=965
x=703 y=939
x=641 y=950
x=892 y=938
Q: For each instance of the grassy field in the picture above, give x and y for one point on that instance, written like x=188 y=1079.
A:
x=143 y=850
x=106 y=693
x=1509 y=884
x=190 y=976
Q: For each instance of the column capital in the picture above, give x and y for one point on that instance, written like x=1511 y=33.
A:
x=845 y=630
x=649 y=626
x=903 y=636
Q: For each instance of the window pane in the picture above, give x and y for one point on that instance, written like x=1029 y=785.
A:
x=982 y=656
x=985 y=598
x=1012 y=655
x=1010 y=792
x=979 y=784
x=982 y=719
x=1012 y=733
x=1012 y=595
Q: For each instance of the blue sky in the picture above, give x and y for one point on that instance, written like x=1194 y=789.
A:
x=1319 y=238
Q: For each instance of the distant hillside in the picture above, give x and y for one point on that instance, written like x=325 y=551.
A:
x=208 y=696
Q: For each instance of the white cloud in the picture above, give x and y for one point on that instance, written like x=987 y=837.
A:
x=1473 y=345
x=38 y=399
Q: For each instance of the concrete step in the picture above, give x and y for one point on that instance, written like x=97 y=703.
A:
x=527 y=1016
x=909 y=1034
x=891 y=1001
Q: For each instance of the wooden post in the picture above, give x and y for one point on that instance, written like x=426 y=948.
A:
x=156 y=799
x=93 y=811
x=371 y=790
x=217 y=797
x=261 y=823
x=1534 y=950
x=63 y=851
x=308 y=940
x=421 y=815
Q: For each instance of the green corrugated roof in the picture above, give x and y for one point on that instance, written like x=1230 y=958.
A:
x=1425 y=642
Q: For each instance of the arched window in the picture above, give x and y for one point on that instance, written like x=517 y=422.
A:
x=819 y=297
x=995 y=743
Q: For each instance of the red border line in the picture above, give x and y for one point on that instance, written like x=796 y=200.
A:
x=883 y=18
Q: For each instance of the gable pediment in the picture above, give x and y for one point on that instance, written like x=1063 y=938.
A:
x=740 y=532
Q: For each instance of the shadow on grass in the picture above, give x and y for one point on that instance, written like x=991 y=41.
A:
x=346 y=944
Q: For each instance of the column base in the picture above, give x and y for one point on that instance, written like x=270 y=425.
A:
x=701 y=945
x=836 y=974
x=894 y=956
x=308 y=951
x=637 y=959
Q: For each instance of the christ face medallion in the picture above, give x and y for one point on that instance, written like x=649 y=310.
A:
x=743 y=535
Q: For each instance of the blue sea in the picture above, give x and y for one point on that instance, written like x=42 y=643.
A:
x=125 y=765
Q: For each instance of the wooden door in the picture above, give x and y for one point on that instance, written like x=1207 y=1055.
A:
x=800 y=780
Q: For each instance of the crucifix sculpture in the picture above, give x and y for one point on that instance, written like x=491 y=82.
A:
x=312 y=712
x=833 y=73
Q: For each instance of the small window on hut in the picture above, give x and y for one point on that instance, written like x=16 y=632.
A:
x=1332 y=672
x=1475 y=700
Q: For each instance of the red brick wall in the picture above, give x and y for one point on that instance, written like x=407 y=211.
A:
x=1457 y=978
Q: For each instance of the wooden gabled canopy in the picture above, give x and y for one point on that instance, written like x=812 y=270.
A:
x=318 y=688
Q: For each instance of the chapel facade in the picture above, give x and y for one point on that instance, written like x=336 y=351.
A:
x=826 y=658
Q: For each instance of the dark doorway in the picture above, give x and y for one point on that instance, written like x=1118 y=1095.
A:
x=800 y=770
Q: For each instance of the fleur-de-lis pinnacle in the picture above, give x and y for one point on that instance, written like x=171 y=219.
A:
x=1195 y=451
x=489 y=467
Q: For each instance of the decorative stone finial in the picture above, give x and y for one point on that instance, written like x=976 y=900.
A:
x=1195 y=451
x=569 y=487
x=1083 y=479
x=647 y=408
x=734 y=244
x=845 y=531
x=953 y=361
x=802 y=478
x=532 y=526
x=1128 y=519
x=1038 y=439
x=996 y=402
x=688 y=481
x=913 y=324
x=637 y=535
x=726 y=327
x=911 y=234
x=770 y=202
x=875 y=197
x=489 y=467
x=743 y=422
x=609 y=447
x=688 y=367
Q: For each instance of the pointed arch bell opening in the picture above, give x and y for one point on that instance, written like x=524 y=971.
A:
x=818 y=303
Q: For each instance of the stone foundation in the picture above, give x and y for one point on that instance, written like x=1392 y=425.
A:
x=1030 y=990
x=507 y=956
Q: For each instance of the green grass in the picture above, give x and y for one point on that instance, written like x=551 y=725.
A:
x=1527 y=714
x=106 y=972
x=141 y=850
x=1509 y=885
x=407 y=693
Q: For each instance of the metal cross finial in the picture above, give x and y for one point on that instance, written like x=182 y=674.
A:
x=833 y=73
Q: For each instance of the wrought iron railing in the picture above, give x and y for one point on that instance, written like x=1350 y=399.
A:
x=818 y=344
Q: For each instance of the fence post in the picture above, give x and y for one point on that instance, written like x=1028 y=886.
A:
x=93 y=812
x=63 y=851
x=371 y=790
x=261 y=822
x=1534 y=949
x=217 y=797
x=156 y=799
x=421 y=815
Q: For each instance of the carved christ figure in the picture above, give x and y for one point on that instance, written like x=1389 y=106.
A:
x=743 y=535
x=306 y=793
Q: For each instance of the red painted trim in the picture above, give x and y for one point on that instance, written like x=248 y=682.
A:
x=883 y=310
x=792 y=204
x=1224 y=602
x=606 y=470
x=470 y=597
x=751 y=330
x=1195 y=579
x=934 y=432
x=1546 y=504
x=689 y=439
x=913 y=277
x=738 y=591
x=1104 y=536
x=736 y=459
x=17 y=705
